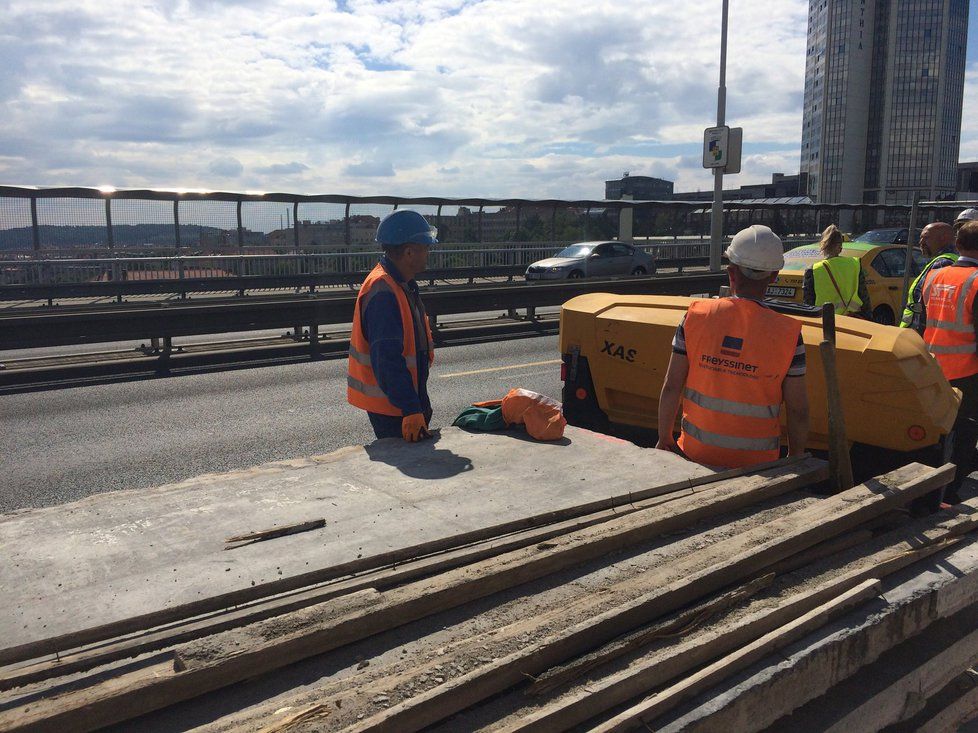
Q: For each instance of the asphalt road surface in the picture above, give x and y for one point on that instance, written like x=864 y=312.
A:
x=62 y=445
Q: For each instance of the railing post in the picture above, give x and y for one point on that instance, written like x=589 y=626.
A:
x=176 y=223
x=35 y=229
x=295 y=226
x=108 y=222
x=480 y=224
x=346 y=225
x=240 y=228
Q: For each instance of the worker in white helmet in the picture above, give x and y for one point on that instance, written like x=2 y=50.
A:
x=734 y=362
x=963 y=218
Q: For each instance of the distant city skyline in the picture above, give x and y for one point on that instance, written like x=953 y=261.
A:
x=494 y=98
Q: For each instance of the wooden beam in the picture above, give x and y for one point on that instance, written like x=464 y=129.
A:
x=144 y=622
x=266 y=646
x=681 y=623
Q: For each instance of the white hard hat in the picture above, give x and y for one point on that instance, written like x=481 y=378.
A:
x=968 y=215
x=757 y=250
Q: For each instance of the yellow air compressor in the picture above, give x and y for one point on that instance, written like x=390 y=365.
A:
x=616 y=348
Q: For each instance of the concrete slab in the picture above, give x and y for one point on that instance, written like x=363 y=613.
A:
x=115 y=555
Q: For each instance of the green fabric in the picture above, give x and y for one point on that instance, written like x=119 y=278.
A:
x=845 y=270
x=481 y=418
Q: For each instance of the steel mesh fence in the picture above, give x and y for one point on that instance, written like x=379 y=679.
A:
x=66 y=225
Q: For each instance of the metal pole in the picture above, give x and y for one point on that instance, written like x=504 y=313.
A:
x=240 y=227
x=910 y=243
x=716 y=219
x=108 y=223
x=35 y=229
x=295 y=225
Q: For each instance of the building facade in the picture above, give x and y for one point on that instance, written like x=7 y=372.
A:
x=884 y=84
x=639 y=188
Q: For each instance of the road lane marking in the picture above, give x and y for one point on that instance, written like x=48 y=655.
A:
x=499 y=369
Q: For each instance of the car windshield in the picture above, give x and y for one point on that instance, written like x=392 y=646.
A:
x=878 y=236
x=575 y=250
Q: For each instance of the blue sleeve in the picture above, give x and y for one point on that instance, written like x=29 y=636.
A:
x=384 y=332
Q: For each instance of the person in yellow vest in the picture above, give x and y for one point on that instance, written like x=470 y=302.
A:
x=950 y=312
x=391 y=349
x=837 y=280
x=937 y=245
x=734 y=362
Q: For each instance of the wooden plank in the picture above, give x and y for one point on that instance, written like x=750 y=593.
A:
x=669 y=698
x=700 y=573
x=681 y=623
x=327 y=626
x=143 y=622
x=822 y=549
x=273 y=533
x=381 y=579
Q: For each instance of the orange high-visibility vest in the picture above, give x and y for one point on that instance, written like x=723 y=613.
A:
x=739 y=355
x=949 y=297
x=362 y=389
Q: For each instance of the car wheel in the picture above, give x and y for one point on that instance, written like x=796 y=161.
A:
x=638 y=271
x=882 y=314
x=575 y=275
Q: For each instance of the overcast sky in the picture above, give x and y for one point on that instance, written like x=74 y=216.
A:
x=523 y=98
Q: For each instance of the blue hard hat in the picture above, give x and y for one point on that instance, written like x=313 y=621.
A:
x=404 y=227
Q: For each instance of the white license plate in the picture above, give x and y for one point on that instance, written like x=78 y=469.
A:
x=776 y=291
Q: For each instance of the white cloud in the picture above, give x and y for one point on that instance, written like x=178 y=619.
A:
x=419 y=97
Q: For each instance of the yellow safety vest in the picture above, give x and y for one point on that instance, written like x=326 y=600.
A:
x=837 y=282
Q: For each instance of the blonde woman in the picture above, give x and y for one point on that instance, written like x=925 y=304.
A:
x=837 y=280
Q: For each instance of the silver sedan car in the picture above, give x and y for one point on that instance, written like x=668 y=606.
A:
x=593 y=259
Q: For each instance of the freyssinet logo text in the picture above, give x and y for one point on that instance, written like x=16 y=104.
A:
x=719 y=361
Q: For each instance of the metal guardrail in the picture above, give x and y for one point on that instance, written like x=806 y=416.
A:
x=117 y=277
x=127 y=322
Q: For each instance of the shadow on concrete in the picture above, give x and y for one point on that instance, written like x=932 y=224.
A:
x=422 y=460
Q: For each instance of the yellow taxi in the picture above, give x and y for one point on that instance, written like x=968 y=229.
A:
x=883 y=259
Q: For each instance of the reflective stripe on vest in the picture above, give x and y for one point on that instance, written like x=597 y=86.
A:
x=371 y=390
x=730 y=442
x=361 y=358
x=845 y=271
x=949 y=296
x=915 y=295
x=742 y=409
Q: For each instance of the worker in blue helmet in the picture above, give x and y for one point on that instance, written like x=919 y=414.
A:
x=391 y=348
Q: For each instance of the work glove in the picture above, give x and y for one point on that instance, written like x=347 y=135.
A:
x=414 y=428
